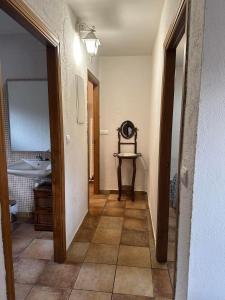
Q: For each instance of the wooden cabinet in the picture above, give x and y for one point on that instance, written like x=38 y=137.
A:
x=43 y=217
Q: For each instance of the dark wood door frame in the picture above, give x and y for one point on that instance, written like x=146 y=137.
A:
x=20 y=12
x=177 y=30
x=96 y=131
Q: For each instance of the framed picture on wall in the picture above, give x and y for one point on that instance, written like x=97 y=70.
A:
x=80 y=100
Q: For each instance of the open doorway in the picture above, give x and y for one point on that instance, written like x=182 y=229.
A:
x=93 y=134
x=171 y=136
x=16 y=92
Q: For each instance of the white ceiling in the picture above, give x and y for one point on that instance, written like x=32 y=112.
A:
x=124 y=27
x=8 y=25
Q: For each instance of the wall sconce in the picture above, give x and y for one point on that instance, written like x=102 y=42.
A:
x=88 y=36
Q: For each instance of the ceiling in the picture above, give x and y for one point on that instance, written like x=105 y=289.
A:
x=124 y=27
x=8 y=25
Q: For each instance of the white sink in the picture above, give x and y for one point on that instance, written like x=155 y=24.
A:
x=31 y=168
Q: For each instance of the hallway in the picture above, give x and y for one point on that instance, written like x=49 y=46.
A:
x=112 y=257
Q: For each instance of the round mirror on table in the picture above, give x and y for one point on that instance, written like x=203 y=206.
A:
x=127 y=129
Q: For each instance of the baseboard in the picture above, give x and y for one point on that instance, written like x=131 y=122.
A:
x=107 y=192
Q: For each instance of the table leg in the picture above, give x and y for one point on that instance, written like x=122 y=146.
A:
x=119 y=178
x=133 y=179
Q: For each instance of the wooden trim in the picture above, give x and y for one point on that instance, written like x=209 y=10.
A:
x=96 y=122
x=20 y=12
x=176 y=32
x=4 y=199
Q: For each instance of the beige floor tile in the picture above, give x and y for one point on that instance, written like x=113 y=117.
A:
x=90 y=222
x=102 y=253
x=25 y=231
x=99 y=196
x=113 y=203
x=155 y=264
x=27 y=270
x=162 y=284
x=138 y=204
x=107 y=236
x=172 y=222
x=19 y=244
x=135 y=238
x=46 y=235
x=96 y=277
x=59 y=275
x=113 y=212
x=97 y=202
x=172 y=234
x=111 y=222
x=133 y=281
x=135 y=224
x=173 y=212
x=22 y=290
x=136 y=213
x=89 y=295
x=134 y=256
x=84 y=235
x=47 y=293
x=39 y=249
x=129 y=297
x=171 y=269
x=77 y=252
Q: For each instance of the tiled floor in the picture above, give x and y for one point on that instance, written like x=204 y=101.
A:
x=111 y=257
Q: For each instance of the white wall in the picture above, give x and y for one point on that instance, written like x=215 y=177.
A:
x=207 y=252
x=176 y=121
x=125 y=87
x=169 y=10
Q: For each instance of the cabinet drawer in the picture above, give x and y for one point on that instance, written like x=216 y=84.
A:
x=43 y=218
x=43 y=202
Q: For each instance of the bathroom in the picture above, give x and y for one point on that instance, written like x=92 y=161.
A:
x=27 y=138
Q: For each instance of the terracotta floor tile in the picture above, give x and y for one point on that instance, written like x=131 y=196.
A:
x=48 y=293
x=97 y=202
x=111 y=222
x=77 y=252
x=84 y=235
x=161 y=283
x=113 y=211
x=135 y=238
x=89 y=295
x=99 y=196
x=113 y=197
x=107 y=236
x=138 y=204
x=102 y=253
x=39 y=249
x=113 y=203
x=22 y=290
x=96 y=277
x=59 y=275
x=133 y=281
x=90 y=222
x=95 y=211
x=134 y=256
x=129 y=297
x=19 y=244
x=154 y=262
x=27 y=270
x=171 y=253
x=135 y=224
x=171 y=269
x=136 y=213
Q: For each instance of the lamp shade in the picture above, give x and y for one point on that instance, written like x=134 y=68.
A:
x=92 y=43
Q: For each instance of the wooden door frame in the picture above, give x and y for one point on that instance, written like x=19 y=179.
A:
x=20 y=12
x=177 y=30
x=96 y=131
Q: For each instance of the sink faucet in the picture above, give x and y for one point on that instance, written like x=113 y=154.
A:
x=39 y=157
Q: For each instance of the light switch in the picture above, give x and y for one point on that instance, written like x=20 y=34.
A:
x=104 y=132
x=68 y=138
x=184 y=176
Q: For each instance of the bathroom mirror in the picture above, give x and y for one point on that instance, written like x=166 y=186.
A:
x=28 y=115
x=127 y=129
